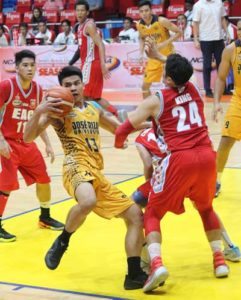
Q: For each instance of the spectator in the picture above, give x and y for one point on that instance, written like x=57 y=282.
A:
x=232 y=30
x=45 y=34
x=185 y=28
x=66 y=37
x=54 y=5
x=128 y=34
x=23 y=35
x=208 y=20
x=95 y=4
x=36 y=18
x=4 y=37
x=189 y=10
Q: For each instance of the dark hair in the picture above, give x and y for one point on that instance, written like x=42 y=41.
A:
x=190 y=2
x=82 y=2
x=66 y=21
x=69 y=71
x=128 y=19
x=19 y=56
x=23 y=24
x=34 y=19
x=144 y=2
x=178 y=68
x=185 y=17
x=2 y=27
x=42 y=21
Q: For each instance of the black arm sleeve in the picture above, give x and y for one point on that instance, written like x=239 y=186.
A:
x=75 y=57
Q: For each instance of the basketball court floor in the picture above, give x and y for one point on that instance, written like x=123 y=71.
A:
x=94 y=265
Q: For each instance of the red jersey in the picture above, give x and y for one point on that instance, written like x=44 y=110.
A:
x=181 y=122
x=88 y=49
x=148 y=140
x=17 y=106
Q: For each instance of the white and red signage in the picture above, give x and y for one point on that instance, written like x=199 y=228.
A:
x=123 y=61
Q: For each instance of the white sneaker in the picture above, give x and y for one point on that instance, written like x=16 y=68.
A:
x=232 y=254
x=221 y=271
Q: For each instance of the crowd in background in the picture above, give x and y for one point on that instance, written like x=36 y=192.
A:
x=40 y=32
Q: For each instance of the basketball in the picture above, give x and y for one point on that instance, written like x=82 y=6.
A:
x=60 y=92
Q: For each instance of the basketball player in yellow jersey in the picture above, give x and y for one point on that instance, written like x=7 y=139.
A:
x=82 y=176
x=231 y=132
x=157 y=27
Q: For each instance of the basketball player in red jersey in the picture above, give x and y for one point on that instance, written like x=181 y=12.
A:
x=91 y=51
x=19 y=96
x=188 y=168
x=150 y=153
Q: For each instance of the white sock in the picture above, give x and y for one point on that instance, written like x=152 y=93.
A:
x=219 y=177
x=154 y=250
x=216 y=246
x=45 y=204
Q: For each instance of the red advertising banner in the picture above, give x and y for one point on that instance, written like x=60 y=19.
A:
x=123 y=61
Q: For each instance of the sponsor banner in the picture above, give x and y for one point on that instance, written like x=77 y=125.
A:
x=122 y=60
x=133 y=12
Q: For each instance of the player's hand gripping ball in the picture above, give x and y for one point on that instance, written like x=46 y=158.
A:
x=63 y=94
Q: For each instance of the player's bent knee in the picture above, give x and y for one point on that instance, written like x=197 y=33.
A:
x=139 y=198
x=134 y=216
x=87 y=206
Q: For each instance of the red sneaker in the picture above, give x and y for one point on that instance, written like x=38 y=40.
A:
x=157 y=276
x=220 y=267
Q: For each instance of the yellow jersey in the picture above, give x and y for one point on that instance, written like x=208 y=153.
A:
x=80 y=136
x=157 y=31
x=236 y=65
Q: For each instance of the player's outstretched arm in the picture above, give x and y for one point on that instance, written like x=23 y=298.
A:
x=220 y=83
x=108 y=123
x=150 y=107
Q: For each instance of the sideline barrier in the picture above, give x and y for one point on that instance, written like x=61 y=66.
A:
x=122 y=60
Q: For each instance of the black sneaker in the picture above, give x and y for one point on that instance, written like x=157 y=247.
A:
x=55 y=253
x=135 y=283
x=218 y=189
x=6 y=237
x=209 y=94
x=50 y=223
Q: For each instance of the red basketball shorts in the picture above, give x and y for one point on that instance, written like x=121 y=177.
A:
x=188 y=173
x=27 y=159
x=93 y=79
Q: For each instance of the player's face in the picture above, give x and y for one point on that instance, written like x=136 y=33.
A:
x=81 y=13
x=145 y=13
x=26 y=69
x=239 y=30
x=75 y=85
